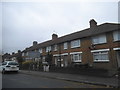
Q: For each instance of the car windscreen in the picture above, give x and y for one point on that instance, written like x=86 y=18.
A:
x=12 y=63
x=4 y=63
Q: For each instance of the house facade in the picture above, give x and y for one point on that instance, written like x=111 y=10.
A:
x=97 y=46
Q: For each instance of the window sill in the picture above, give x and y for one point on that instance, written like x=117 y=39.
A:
x=55 y=50
x=116 y=41
x=101 y=61
x=65 y=49
x=77 y=61
x=99 y=43
x=75 y=47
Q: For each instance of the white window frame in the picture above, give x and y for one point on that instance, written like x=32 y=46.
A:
x=43 y=59
x=116 y=36
x=65 y=45
x=73 y=56
x=40 y=50
x=116 y=48
x=56 y=55
x=98 y=39
x=75 y=53
x=26 y=53
x=100 y=53
x=74 y=42
x=35 y=50
x=55 y=47
x=23 y=54
x=64 y=54
x=48 y=49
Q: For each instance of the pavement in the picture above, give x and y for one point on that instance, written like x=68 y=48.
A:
x=103 y=81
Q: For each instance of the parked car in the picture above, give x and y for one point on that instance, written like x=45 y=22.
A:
x=8 y=66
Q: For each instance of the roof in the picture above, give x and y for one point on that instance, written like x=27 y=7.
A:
x=99 y=29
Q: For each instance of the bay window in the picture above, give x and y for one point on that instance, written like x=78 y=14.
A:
x=76 y=57
x=101 y=56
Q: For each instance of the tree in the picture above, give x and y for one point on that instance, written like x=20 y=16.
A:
x=19 y=58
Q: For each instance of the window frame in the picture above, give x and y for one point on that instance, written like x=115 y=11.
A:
x=100 y=53
x=114 y=37
x=98 y=37
x=40 y=50
x=79 y=56
x=48 y=49
x=73 y=43
x=55 y=47
x=65 y=45
x=23 y=54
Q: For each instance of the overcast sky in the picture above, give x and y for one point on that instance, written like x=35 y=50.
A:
x=25 y=22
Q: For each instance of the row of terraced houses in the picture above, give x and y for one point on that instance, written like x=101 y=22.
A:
x=97 y=46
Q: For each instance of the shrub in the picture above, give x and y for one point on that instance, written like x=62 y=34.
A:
x=27 y=64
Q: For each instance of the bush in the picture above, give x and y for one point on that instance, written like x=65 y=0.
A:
x=27 y=64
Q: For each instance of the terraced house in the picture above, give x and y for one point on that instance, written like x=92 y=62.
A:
x=97 y=46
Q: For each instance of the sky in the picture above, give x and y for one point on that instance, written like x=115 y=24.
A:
x=21 y=23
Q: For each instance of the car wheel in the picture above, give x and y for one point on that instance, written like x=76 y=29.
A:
x=16 y=71
x=3 y=71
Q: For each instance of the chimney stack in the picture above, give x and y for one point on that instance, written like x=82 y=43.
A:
x=13 y=53
x=93 y=23
x=54 y=36
x=19 y=51
x=34 y=43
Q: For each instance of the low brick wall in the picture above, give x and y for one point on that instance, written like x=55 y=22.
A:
x=81 y=71
x=76 y=70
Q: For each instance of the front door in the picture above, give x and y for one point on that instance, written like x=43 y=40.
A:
x=118 y=58
x=65 y=61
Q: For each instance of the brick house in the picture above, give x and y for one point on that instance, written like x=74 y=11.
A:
x=97 y=46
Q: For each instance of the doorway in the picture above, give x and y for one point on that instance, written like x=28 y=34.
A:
x=118 y=58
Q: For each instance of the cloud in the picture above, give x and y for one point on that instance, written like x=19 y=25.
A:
x=25 y=22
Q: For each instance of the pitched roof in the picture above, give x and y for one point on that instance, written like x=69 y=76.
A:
x=103 y=28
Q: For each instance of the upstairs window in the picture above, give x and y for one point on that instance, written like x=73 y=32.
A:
x=55 y=47
x=36 y=50
x=65 y=45
x=116 y=35
x=48 y=49
x=23 y=54
x=75 y=43
x=99 y=39
x=40 y=50
x=26 y=53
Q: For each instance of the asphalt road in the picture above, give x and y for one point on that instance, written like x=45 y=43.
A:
x=0 y=81
x=13 y=80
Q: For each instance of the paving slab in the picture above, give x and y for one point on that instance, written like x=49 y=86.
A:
x=105 y=81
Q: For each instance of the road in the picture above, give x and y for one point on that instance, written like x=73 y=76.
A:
x=13 y=80
x=0 y=81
